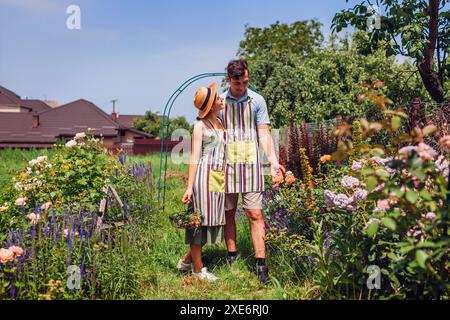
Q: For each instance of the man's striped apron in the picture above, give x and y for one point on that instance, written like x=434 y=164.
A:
x=243 y=170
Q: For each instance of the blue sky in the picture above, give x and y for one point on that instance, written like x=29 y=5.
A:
x=135 y=51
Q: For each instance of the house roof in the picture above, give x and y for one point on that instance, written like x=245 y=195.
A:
x=63 y=121
x=127 y=120
x=9 y=94
x=11 y=99
x=35 y=105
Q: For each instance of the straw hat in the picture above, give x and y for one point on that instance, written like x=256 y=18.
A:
x=205 y=98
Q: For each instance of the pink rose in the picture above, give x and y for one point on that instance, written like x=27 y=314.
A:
x=34 y=218
x=382 y=205
x=18 y=251
x=46 y=206
x=21 y=201
x=6 y=255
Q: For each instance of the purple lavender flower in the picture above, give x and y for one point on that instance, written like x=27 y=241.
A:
x=122 y=159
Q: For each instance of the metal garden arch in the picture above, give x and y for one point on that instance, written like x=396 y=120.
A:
x=165 y=126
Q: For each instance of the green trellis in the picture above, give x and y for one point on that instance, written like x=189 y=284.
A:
x=165 y=126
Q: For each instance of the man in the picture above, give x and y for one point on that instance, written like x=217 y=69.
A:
x=246 y=121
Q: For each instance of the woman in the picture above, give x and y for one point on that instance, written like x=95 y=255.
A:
x=206 y=183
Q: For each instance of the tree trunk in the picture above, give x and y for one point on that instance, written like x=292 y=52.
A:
x=426 y=69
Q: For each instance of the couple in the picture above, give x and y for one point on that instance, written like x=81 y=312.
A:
x=225 y=162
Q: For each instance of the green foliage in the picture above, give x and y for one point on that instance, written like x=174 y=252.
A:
x=405 y=29
x=300 y=37
x=324 y=84
x=152 y=122
x=72 y=178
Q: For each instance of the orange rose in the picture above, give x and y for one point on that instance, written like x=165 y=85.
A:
x=290 y=179
x=6 y=255
x=325 y=158
x=278 y=179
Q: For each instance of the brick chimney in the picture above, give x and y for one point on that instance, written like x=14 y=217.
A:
x=114 y=116
x=35 y=120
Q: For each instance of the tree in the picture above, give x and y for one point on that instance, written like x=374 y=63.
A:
x=326 y=82
x=300 y=37
x=151 y=123
x=414 y=28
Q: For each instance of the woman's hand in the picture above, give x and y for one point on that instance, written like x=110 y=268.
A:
x=187 y=197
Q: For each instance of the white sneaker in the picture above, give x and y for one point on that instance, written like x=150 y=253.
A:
x=183 y=266
x=204 y=275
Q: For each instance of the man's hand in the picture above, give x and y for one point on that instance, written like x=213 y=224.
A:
x=276 y=170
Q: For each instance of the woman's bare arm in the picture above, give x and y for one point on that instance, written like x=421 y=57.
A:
x=196 y=151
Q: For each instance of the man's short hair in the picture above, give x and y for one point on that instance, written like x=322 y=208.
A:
x=236 y=68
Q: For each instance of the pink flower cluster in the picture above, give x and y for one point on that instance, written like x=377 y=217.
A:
x=342 y=201
x=424 y=151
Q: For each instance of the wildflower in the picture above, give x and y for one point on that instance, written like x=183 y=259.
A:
x=41 y=159
x=66 y=233
x=329 y=198
x=349 y=182
x=34 y=218
x=6 y=255
x=415 y=232
x=80 y=135
x=71 y=144
x=380 y=161
x=430 y=216
x=382 y=205
x=425 y=151
x=325 y=158
x=357 y=165
x=359 y=195
x=4 y=207
x=46 y=206
x=341 y=201
x=18 y=251
x=21 y=201
x=312 y=183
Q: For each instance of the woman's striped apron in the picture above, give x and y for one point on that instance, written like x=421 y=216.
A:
x=244 y=171
x=209 y=185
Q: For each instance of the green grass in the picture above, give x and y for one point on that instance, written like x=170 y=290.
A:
x=160 y=246
x=14 y=160
x=161 y=280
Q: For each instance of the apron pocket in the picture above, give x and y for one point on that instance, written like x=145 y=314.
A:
x=241 y=152
x=216 y=181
